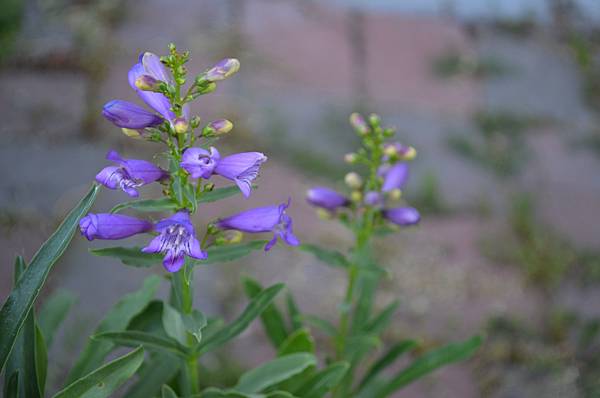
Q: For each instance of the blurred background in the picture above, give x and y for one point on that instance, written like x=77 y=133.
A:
x=501 y=98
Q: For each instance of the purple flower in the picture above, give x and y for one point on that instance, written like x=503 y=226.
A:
x=199 y=162
x=402 y=216
x=264 y=219
x=128 y=115
x=326 y=198
x=129 y=174
x=176 y=240
x=112 y=226
x=217 y=127
x=241 y=168
x=373 y=198
x=149 y=65
x=395 y=176
x=222 y=69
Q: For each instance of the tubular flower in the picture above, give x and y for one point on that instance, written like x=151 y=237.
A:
x=149 y=66
x=326 y=198
x=394 y=177
x=373 y=198
x=402 y=216
x=177 y=239
x=222 y=69
x=129 y=115
x=112 y=226
x=199 y=162
x=264 y=219
x=241 y=168
x=129 y=174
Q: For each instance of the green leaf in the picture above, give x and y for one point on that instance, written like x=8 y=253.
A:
x=331 y=257
x=133 y=256
x=117 y=319
x=293 y=312
x=103 y=381
x=381 y=321
x=167 y=392
x=272 y=319
x=194 y=323
x=134 y=338
x=387 y=359
x=130 y=256
x=225 y=253
x=173 y=324
x=149 y=319
x=21 y=299
x=147 y=205
x=320 y=323
x=299 y=341
x=257 y=305
x=218 y=194
x=41 y=359
x=323 y=381
x=275 y=371
x=157 y=371
x=22 y=357
x=11 y=385
x=53 y=313
x=429 y=362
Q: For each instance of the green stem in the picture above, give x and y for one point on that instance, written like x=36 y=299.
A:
x=182 y=288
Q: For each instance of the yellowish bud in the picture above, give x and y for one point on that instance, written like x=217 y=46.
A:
x=180 y=126
x=131 y=133
x=350 y=158
x=410 y=154
x=390 y=150
x=395 y=194
x=353 y=180
x=356 y=196
x=324 y=214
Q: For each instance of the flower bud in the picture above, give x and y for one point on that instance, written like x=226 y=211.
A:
x=131 y=133
x=209 y=187
x=147 y=83
x=180 y=125
x=353 y=180
x=356 y=196
x=359 y=124
x=373 y=198
x=324 y=214
x=222 y=70
x=395 y=194
x=350 y=158
x=409 y=154
x=195 y=122
x=229 y=237
x=217 y=127
x=374 y=120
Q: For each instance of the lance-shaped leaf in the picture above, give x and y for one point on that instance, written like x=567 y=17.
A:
x=22 y=357
x=320 y=323
x=330 y=257
x=134 y=256
x=21 y=299
x=429 y=362
x=167 y=392
x=41 y=360
x=323 y=381
x=147 y=205
x=172 y=321
x=194 y=323
x=387 y=359
x=53 y=313
x=299 y=341
x=274 y=372
x=381 y=321
x=103 y=381
x=132 y=338
x=158 y=370
x=258 y=304
x=117 y=319
x=295 y=317
x=271 y=318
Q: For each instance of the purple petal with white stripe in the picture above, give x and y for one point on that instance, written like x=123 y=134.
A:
x=241 y=168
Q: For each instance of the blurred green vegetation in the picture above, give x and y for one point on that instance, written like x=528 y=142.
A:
x=498 y=142
x=11 y=16
x=428 y=196
x=453 y=63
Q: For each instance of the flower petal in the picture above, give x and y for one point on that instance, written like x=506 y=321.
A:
x=326 y=198
x=112 y=226
x=194 y=250
x=199 y=162
x=110 y=176
x=402 y=216
x=271 y=243
x=129 y=115
x=242 y=168
x=395 y=177
x=156 y=101
x=173 y=261
x=260 y=219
